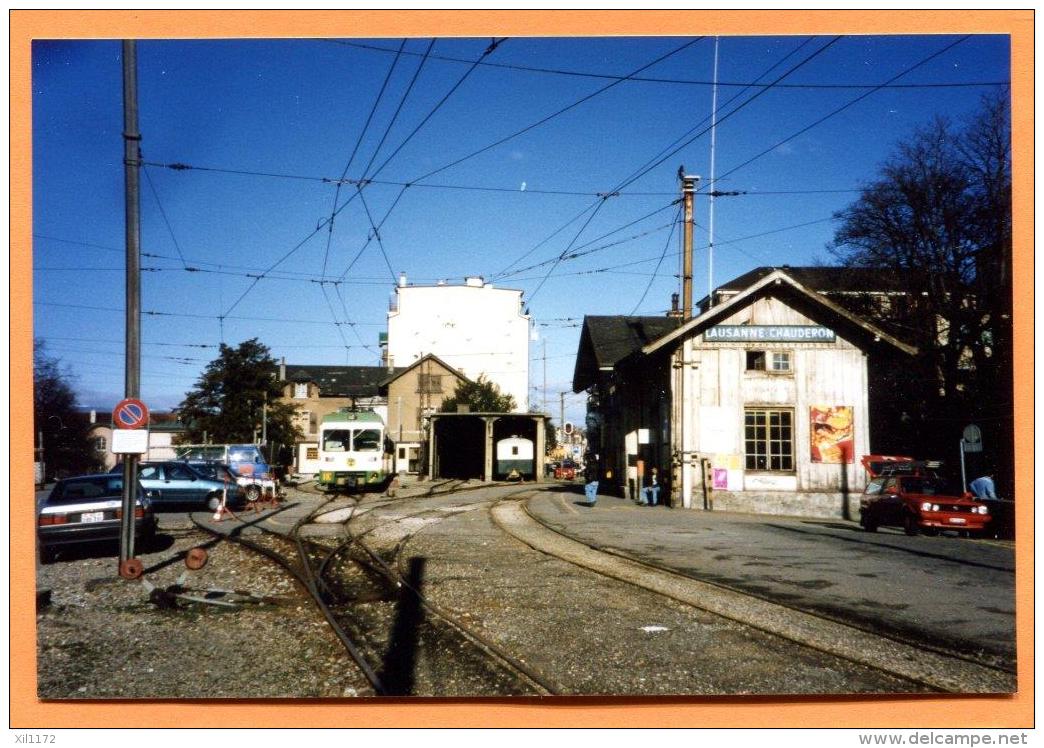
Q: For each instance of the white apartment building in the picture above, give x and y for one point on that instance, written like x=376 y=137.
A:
x=475 y=328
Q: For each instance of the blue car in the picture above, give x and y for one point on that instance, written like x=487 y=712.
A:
x=174 y=485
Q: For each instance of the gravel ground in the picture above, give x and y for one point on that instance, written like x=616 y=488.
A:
x=101 y=638
x=597 y=636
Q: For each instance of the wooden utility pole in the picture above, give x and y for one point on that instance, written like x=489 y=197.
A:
x=688 y=193
x=132 y=210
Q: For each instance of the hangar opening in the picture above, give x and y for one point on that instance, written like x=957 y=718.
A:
x=487 y=446
x=459 y=447
x=514 y=442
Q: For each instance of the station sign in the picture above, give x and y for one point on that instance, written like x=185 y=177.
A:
x=769 y=334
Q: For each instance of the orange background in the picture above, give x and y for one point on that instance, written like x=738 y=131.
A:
x=956 y=711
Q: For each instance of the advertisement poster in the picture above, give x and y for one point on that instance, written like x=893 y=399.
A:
x=832 y=434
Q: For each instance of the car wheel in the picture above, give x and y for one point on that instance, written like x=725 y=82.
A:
x=931 y=531
x=867 y=524
x=910 y=526
x=253 y=492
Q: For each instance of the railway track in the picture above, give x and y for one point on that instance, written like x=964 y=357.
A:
x=372 y=591
x=937 y=669
x=374 y=603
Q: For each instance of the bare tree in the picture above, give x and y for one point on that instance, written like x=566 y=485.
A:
x=939 y=213
x=63 y=430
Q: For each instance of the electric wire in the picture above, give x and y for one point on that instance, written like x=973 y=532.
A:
x=156 y=313
x=732 y=112
x=845 y=106
x=558 y=113
x=355 y=150
x=666 y=246
x=648 y=167
x=366 y=172
x=653 y=161
x=680 y=81
x=163 y=213
x=177 y=166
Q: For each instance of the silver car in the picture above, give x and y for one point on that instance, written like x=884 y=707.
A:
x=88 y=509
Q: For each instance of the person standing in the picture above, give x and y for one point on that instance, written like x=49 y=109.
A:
x=591 y=480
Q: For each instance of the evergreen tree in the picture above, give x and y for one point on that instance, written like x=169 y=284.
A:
x=227 y=404
x=481 y=396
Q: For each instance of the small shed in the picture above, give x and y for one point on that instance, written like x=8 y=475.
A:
x=769 y=399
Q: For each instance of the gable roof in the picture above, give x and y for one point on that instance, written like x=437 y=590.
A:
x=779 y=284
x=341 y=381
x=827 y=280
x=398 y=372
x=604 y=340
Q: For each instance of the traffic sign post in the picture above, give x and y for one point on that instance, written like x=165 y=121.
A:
x=130 y=437
x=971 y=441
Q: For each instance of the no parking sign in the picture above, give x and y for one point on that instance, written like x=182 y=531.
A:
x=130 y=413
x=128 y=436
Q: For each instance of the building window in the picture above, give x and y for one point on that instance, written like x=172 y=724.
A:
x=779 y=361
x=429 y=384
x=301 y=391
x=768 y=361
x=313 y=423
x=769 y=439
x=100 y=444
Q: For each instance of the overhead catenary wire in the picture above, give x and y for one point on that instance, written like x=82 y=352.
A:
x=355 y=150
x=557 y=113
x=843 y=107
x=677 y=81
x=366 y=172
x=666 y=246
x=649 y=167
x=529 y=191
x=163 y=214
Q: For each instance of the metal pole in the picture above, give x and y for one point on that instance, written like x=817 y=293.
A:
x=964 y=478
x=561 y=412
x=688 y=190
x=264 y=420
x=544 y=342
x=132 y=211
x=714 y=188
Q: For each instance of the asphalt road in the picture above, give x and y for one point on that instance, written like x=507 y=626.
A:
x=948 y=592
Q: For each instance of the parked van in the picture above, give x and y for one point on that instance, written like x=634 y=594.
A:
x=244 y=460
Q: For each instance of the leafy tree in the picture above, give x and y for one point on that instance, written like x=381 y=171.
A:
x=482 y=396
x=939 y=214
x=227 y=404
x=65 y=447
x=550 y=436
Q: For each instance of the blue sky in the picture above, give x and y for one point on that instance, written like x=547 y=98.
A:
x=269 y=126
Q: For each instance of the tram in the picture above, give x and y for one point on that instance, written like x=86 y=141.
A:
x=351 y=450
x=515 y=459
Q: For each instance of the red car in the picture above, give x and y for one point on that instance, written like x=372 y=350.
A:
x=908 y=494
x=566 y=471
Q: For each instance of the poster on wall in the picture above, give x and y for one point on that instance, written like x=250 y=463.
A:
x=832 y=434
